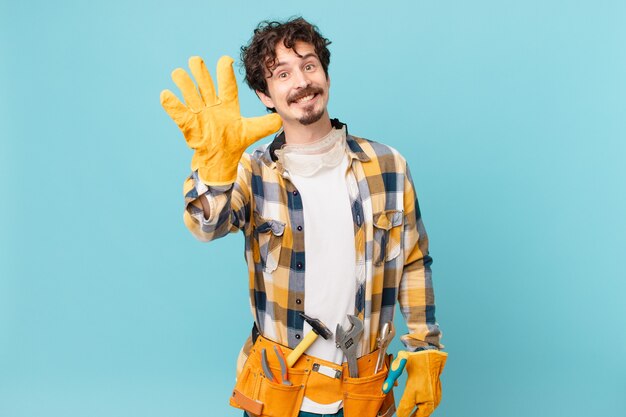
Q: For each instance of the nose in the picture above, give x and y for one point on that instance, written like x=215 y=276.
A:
x=301 y=79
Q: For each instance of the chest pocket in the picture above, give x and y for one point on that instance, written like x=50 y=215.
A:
x=387 y=235
x=267 y=242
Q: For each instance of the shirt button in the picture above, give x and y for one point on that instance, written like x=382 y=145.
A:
x=297 y=336
x=299 y=265
x=298 y=301
x=295 y=193
x=299 y=228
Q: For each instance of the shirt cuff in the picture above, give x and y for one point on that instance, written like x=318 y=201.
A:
x=212 y=193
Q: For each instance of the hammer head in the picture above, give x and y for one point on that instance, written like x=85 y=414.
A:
x=318 y=327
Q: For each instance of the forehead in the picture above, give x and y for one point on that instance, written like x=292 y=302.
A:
x=299 y=50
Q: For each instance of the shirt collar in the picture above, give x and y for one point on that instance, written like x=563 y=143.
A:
x=354 y=149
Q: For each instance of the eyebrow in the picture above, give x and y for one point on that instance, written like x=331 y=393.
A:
x=304 y=57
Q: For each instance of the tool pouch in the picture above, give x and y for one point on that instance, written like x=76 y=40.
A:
x=363 y=396
x=259 y=396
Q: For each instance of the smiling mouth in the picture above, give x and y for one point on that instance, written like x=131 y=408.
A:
x=306 y=99
x=306 y=96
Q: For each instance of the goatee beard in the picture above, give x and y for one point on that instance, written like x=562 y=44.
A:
x=311 y=117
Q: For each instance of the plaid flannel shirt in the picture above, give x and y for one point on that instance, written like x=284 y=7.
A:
x=392 y=261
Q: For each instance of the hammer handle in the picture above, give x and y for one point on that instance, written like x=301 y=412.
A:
x=302 y=346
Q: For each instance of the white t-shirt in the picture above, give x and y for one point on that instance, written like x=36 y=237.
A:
x=318 y=171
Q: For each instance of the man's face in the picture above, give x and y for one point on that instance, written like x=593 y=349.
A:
x=298 y=87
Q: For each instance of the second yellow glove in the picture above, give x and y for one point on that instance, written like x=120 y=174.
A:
x=423 y=387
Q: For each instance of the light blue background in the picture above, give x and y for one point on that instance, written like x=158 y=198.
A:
x=512 y=116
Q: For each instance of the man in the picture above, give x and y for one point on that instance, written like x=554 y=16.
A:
x=332 y=229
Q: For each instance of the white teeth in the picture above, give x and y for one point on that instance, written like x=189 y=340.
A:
x=306 y=98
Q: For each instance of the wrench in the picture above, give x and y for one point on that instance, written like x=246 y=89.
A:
x=348 y=342
x=386 y=334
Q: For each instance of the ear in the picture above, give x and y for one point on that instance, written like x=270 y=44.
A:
x=265 y=99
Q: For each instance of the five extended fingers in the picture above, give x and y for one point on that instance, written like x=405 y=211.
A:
x=205 y=94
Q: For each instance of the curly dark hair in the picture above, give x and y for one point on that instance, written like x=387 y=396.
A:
x=259 y=55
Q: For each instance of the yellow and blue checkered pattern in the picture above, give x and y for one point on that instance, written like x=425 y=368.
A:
x=392 y=260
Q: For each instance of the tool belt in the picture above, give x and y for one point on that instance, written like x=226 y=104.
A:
x=321 y=381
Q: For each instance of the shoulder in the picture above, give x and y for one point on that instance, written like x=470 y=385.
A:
x=260 y=151
x=387 y=157
x=259 y=156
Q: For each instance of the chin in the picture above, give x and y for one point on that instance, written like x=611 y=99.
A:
x=312 y=117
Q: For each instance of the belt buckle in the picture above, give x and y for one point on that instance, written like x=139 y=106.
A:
x=327 y=371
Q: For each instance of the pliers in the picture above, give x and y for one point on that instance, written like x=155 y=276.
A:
x=283 y=366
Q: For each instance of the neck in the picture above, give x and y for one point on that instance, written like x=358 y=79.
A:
x=299 y=134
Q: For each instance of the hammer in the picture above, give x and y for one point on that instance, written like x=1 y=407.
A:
x=319 y=329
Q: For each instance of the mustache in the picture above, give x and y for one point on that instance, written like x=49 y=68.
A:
x=306 y=92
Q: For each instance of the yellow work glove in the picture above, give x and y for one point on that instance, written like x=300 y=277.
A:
x=423 y=388
x=212 y=124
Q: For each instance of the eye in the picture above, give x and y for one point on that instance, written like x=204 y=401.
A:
x=309 y=67
x=283 y=75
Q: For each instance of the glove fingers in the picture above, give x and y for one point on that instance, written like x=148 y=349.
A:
x=424 y=410
x=406 y=405
x=204 y=80
x=226 y=81
x=188 y=89
x=173 y=106
x=255 y=128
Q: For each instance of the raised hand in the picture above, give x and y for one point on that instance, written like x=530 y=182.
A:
x=212 y=123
